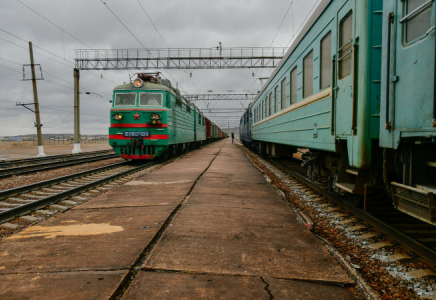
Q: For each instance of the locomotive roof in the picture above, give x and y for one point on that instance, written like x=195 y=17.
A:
x=322 y=5
x=145 y=86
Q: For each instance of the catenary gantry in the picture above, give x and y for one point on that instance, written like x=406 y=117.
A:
x=179 y=58
x=207 y=97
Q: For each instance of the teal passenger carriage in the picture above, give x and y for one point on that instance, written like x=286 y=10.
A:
x=357 y=88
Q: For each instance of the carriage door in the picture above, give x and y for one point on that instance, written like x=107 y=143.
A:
x=344 y=71
x=412 y=73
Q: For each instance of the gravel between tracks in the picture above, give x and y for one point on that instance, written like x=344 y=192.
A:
x=388 y=279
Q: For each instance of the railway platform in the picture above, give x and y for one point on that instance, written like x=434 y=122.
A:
x=207 y=226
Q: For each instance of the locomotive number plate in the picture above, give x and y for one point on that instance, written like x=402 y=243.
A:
x=136 y=133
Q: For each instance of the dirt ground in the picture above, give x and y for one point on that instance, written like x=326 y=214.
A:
x=17 y=150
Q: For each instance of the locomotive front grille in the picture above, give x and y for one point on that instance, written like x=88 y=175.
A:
x=138 y=150
x=414 y=202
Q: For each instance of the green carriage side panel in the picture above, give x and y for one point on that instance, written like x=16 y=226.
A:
x=200 y=127
x=301 y=124
x=308 y=126
x=184 y=124
x=411 y=77
x=309 y=122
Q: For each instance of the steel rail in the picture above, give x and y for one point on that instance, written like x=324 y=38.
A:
x=6 y=163
x=27 y=169
x=425 y=253
x=29 y=207
x=42 y=184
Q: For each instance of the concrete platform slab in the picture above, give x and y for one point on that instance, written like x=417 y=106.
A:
x=240 y=228
x=165 y=186
x=64 y=285
x=259 y=252
x=104 y=239
x=136 y=194
x=292 y=289
x=232 y=216
x=155 y=285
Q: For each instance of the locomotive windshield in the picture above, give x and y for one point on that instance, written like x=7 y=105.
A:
x=150 y=99
x=123 y=99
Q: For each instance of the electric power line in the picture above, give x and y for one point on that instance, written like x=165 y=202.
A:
x=152 y=23
x=54 y=24
x=36 y=46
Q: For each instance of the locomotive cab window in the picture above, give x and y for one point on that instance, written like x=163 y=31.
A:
x=125 y=99
x=345 y=44
x=150 y=99
x=417 y=19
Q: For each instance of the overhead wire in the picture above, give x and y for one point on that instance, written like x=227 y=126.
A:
x=295 y=32
x=157 y=30
x=302 y=23
x=278 y=29
x=163 y=39
x=57 y=77
x=54 y=24
x=51 y=53
x=272 y=41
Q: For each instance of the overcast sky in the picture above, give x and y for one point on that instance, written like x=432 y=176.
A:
x=58 y=28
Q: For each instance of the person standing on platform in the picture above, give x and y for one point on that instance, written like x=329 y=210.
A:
x=233 y=137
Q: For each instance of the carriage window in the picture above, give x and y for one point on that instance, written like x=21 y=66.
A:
x=308 y=75
x=150 y=99
x=293 y=86
x=264 y=109
x=122 y=99
x=418 y=23
x=346 y=35
x=283 y=93
x=270 y=104
x=276 y=92
x=262 y=113
x=326 y=64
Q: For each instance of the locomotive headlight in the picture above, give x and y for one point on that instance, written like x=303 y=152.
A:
x=155 y=117
x=138 y=82
x=117 y=116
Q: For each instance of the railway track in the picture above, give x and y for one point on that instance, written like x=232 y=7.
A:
x=31 y=198
x=28 y=166
x=411 y=233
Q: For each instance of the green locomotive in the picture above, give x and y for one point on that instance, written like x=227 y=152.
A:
x=149 y=119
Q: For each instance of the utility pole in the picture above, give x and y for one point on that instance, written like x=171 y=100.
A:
x=76 y=113
x=35 y=97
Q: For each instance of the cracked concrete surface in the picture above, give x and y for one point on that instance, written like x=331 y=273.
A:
x=232 y=237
